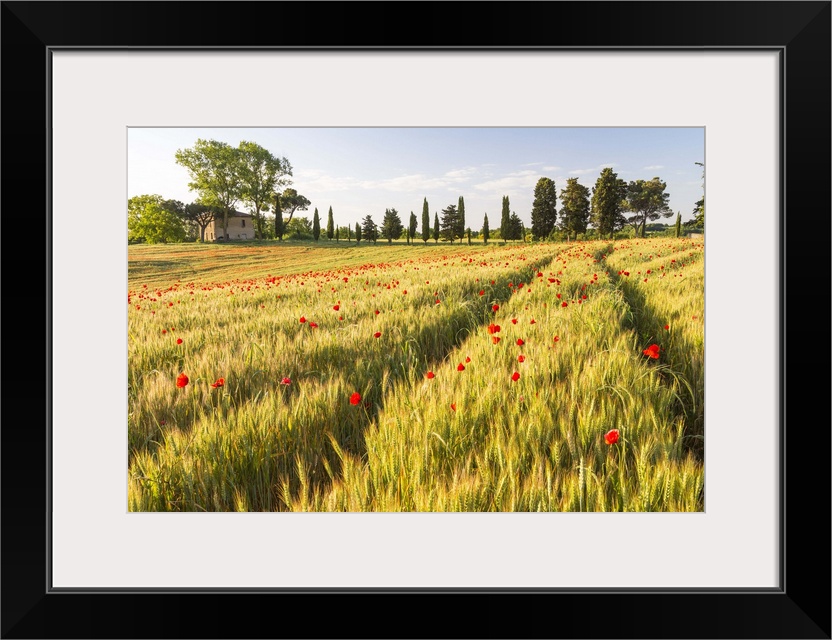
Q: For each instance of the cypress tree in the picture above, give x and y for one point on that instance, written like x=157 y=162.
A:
x=357 y=233
x=330 y=225
x=460 y=218
x=505 y=222
x=436 y=227
x=425 y=222
x=485 y=229
x=316 y=225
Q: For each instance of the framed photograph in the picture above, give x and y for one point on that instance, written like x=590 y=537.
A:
x=81 y=79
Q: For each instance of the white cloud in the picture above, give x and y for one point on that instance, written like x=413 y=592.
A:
x=653 y=167
x=580 y=172
x=551 y=168
x=513 y=180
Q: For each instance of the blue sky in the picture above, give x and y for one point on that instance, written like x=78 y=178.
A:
x=360 y=171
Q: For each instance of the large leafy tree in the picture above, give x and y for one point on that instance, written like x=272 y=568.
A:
x=196 y=213
x=485 y=230
x=608 y=203
x=316 y=225
x=505 y=221
x=330 y=225
x=647 y=200
x=214 y=168
x=261 y=174
x=369 y=229
x=291 y=201
x=460 y=223
x=544 y=211
x=450 y=223
x=574 y=208
x=391 y=225
x=425 y=222
x=436 y=227
x=148 y=220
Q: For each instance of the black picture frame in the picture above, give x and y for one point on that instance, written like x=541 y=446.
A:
x=800 y=608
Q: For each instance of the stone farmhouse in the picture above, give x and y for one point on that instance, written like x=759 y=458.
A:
x=240 y=227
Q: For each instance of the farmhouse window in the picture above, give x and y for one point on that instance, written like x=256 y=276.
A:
x=244 y=222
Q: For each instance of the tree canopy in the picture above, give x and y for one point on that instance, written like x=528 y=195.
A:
x=215 y=171
x=291 y=201
x=574 y=208
x=647 y=200
x=505 y=221
x=544 y=210
x=316 y=225
x=148 y=220
x=261 y=173
x=449 y=224
x=391 y=225
x=608 y=203
x=330 y=225
x=369 y=229
x=414 y=225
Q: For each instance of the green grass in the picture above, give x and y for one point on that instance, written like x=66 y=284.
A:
x=534 y=444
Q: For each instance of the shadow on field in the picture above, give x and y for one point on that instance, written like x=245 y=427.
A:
x=650 y=329
x=435 y=342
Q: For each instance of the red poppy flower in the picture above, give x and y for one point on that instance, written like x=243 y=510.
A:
x=377 y=334
x=482 y=293
x=467 y=359
x=493 y=328
x=313 y=325
x=495 y=307
x=515 y=376
x=377 y=312
x=611 y=437
x=520 y=342
x=453 y=406
x=164 y=331
x=179 y=341
x=302 y=319
x=556 y=338
x=355 y=398
x=667 y=327
x=558 y=296
x=652 y=351
x=495 y=339
x=286 y=381
x=460 y=367
x=182 y=380
x=336 y=307
x=521 y=358
x=564 y=304
x=219 y=383
x=430 y=375
x=514 y=321
x=533 y=321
